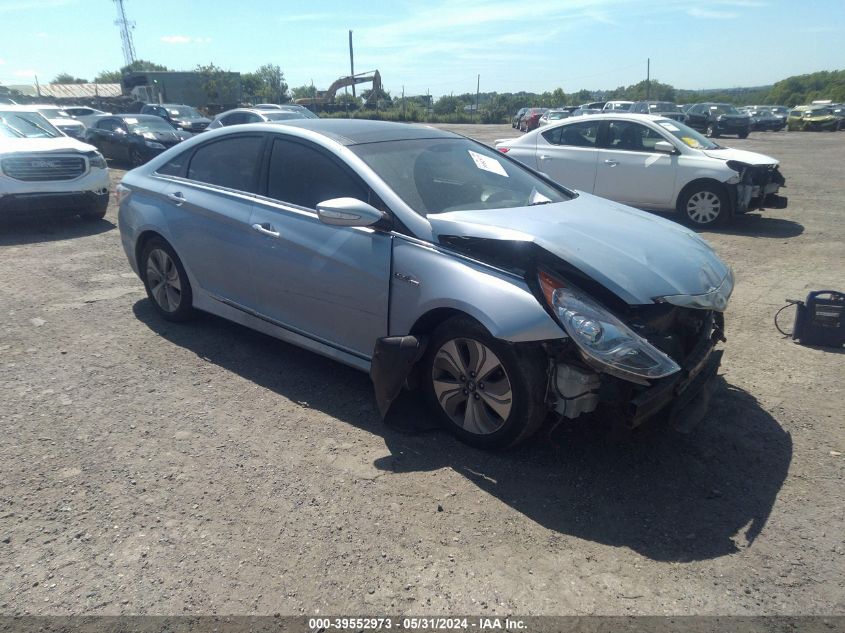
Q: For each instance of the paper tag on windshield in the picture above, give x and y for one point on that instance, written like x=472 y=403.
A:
x=131 y=121
x=487 y=164
x=669 y=126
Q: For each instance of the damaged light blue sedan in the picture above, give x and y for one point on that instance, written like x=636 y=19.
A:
x=434 y=262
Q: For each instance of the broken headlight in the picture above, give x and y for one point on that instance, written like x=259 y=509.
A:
x=602 y=337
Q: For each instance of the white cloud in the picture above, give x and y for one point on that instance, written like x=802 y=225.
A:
x=184 y=39
x=2 y=61
x=712 y=15
x=26 y=73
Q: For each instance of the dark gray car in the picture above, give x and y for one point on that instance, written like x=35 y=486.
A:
x=426 y=258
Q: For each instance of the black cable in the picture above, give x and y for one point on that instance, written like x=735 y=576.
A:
x=792 y=302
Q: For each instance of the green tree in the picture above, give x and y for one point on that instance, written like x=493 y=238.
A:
x=304 y=92
x=220 y=86
x=448 y=104
x=108 y=77
x=67 y=78
x=275 y=89
x=141 y=65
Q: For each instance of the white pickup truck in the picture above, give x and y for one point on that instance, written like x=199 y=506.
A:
x=44 y=172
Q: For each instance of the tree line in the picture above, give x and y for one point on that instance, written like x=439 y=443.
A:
x=268 y=84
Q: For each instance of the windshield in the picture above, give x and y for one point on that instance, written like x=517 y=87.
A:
x=282 y=115
x=618 y=106
x=662 y=106
x=7 y=132
x=30 y=124
x=139 y=126
x=184 y=112
x=724 y=109
x=437 y=175
x=687 y=135
x=818 y=112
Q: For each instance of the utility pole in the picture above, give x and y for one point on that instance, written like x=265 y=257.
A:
x=37 y=87
x=351 y=63
x=403 y=101
x=648 y=78
x=477 y=90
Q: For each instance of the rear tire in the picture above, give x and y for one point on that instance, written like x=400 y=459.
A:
x=135 y=158
x=166 y=281
x=704 y=205
x=743 y=135
x=488 y=393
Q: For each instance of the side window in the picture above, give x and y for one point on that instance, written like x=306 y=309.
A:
x=175 y=166
x=252 y=118
x=696 y=109
x=107 y=124
x=302 y=175
x=582 y=134
x=233 y=119
x=631 y=136
x=232 y=162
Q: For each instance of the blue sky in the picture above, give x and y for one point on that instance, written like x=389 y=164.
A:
x=439 y=45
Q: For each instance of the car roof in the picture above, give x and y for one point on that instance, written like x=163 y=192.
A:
x=359 y=131
x=129 y=115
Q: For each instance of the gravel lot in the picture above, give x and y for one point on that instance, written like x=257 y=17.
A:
x=156 y=468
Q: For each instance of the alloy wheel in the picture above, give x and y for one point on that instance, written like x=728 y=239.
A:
x=703 y=207
x=163 y=280
x=472 y=386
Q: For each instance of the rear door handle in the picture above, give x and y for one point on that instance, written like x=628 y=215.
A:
x=265 y=228
x=612 y=163
x=176 y=198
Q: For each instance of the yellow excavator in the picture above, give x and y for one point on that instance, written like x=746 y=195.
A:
x=327 y=96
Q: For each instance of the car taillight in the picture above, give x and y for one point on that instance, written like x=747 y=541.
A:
x=504 y=150
x=122 y=193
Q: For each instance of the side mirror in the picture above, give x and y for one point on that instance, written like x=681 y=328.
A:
x=347 y=212
x=665 y=147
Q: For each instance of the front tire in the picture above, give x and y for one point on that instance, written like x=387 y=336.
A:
x=711 y=131
x=704 y=205
x=166 y=281
x=743 y=135
x=488 y=393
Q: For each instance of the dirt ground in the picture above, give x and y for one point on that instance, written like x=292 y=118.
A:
x=154 y=468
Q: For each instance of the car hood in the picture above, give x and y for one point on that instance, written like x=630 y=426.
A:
x=166 y=137
x=201 y=119
x=36 y=145
x=637 y=256
x=66 y=122
x=751 y=158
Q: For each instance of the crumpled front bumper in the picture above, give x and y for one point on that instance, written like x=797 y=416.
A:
x=759 y=189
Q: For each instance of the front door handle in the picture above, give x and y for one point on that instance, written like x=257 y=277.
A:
x=176 y=198
x=265 y=228
x=544 y=157
x=612 y=163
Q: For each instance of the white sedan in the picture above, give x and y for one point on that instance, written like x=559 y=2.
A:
x=652 y=163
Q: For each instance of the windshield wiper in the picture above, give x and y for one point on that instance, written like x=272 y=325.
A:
x=534 y=204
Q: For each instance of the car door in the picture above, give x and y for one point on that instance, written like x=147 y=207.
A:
x=629 y=170
x=568 y=154
x=104 y=137
x=329 y=283
x=208 y=209
x=697 y=117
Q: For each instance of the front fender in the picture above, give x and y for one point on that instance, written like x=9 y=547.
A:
x=426 y=278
